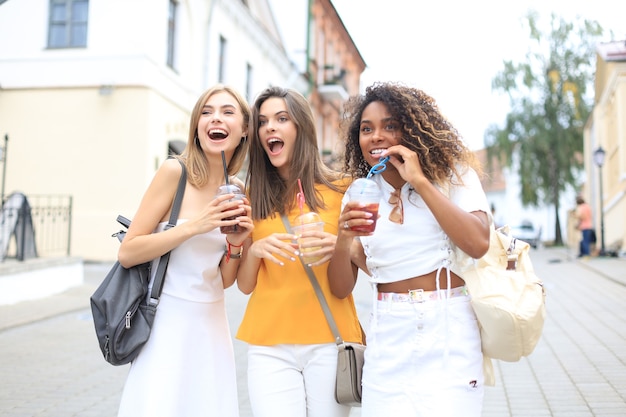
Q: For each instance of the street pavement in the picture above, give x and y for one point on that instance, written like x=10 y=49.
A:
x=50 y=364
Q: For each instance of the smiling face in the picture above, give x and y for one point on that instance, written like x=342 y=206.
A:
x=377 y=132
x=221 y=124
x=277 y=133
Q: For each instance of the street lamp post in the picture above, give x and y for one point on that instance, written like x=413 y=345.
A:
x=598 y=158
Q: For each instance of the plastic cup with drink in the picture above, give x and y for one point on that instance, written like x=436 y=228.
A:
x=239 y=195
x=367 y=193
x=305 y=223
x=229 y=188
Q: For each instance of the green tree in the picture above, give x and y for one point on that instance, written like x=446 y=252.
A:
x=548 y=94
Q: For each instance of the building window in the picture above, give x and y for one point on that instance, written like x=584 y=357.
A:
x=249 y=75
x=68 y=23
x=171 y=33
x=222 y=61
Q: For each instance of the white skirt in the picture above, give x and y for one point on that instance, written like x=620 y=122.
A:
x=423 y=359
x=187 y=367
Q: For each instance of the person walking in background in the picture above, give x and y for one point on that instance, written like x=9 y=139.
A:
x=292 y=355
x=423 y=355
x=585 y=225
x=187 y=367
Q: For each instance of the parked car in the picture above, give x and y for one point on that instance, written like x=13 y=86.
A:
x=527 y=232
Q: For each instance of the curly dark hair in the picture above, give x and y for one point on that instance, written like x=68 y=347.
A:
x=440 y=148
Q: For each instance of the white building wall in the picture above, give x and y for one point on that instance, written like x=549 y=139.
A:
x=67 y=135
x=248 y=42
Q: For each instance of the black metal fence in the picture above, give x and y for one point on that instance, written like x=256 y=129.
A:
x=35 y=226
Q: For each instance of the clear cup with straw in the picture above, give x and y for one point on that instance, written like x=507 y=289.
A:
x=229 y=188
x=366 y=192
x=306 y=222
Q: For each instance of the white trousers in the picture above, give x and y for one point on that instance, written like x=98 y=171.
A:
x=293 y=381
x=423 y=359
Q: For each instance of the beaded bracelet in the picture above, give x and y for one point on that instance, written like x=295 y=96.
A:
x=229 y=253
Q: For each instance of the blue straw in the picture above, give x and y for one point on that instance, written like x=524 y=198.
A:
x=379 y=167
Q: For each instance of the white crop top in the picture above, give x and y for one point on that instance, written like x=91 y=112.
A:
x=396 y=252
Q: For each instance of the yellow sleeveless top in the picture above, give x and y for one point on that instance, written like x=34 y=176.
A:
x=283 y=307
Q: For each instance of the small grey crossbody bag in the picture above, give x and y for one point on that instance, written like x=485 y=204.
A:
x=350 y=357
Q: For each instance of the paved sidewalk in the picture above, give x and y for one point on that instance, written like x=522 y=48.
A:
x=50 y=365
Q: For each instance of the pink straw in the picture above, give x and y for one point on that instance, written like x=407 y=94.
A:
x=300 y=197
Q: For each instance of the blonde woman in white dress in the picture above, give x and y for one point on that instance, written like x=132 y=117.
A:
x=187 y=367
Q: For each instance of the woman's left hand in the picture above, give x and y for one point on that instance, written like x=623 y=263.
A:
x=324 y=244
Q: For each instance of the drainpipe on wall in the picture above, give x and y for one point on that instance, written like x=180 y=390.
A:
x=308 y=46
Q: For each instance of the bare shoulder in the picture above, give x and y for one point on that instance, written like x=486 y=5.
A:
x=172 y=165
x=165 y=180
x=157 y=199
x=170 y=170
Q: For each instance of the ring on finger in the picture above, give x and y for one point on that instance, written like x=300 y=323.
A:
x=346 y=225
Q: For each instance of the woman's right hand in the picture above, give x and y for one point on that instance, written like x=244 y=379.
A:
x=353 y=215
x=275 y=247
x=348 y=255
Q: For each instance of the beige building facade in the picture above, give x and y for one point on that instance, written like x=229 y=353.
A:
x=94 y=94
x=606 y=129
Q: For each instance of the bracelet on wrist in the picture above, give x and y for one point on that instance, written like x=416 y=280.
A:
x=229 y=251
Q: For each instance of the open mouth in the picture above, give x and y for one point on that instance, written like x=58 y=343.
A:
x=218 y=134
x=275 y=145
x=376 y=152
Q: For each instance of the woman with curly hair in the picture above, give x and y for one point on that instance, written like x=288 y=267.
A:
x=424 y=351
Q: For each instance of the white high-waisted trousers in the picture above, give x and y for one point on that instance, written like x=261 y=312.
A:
x=293 y=381
x=423 y=360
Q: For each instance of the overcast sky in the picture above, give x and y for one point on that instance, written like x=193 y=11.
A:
x=451 y=49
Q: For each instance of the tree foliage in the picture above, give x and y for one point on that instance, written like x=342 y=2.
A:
x=550 y=96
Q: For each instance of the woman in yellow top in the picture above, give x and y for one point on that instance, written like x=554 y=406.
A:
x=292 y=356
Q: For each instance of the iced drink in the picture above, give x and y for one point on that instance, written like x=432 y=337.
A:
x=368 y=228
x=239 y=195
x=366 y=192
x=303 y=223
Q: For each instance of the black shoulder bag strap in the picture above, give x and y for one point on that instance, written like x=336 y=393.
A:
x=159 y=278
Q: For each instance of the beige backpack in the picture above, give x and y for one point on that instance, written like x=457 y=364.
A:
x=507 y=297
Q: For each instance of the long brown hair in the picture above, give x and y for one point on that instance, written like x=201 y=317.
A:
x=193 y=155
x=269 y=193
